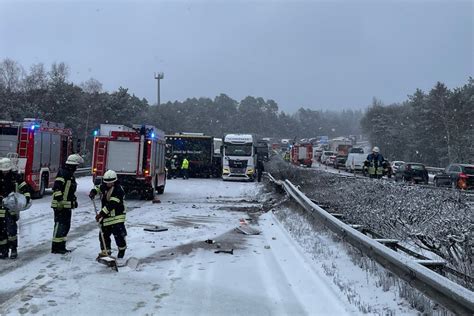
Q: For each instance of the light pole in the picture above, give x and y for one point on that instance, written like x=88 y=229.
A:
x=158 y=77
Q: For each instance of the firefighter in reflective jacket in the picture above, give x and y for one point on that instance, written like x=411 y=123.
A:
x=64 y=200
x=185 y=168
x=112 y=214
x=374 y=163
x=9 y=180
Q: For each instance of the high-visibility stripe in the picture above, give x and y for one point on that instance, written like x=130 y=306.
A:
x=97 y=188
x=59 y=239
x=21 y=185
x=60 y=179
x=3 y=242
x=27 y=194
x=55 y=230
x=122 y=248
x=114 y=220
x=115 y=199
x=105 y=210
x=57 y=193
x=66 y=190
x=2 y=213
x=12 y=213
x=12 y=238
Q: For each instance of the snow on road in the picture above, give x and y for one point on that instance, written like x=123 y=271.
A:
x=178 y=273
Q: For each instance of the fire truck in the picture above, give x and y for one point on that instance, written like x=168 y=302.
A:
x=302 y=154
x=38 y=148
x=136 y=154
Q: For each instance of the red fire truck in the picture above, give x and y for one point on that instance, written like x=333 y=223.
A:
x=136 y=154
x=302 y=154
x=38 y=148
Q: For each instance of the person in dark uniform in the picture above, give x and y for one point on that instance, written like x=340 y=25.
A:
x=64 y=200
x=10 y=182
x=260 y=169
x=112 y=214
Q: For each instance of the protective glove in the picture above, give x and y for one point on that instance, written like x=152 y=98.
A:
x=98 y=217
x=92 y=194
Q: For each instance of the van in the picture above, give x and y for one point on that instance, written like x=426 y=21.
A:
x=355 y=161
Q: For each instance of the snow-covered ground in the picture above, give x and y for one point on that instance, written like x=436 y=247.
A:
x=268 y=274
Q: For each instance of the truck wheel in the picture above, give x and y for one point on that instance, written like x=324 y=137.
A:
x=39 y=194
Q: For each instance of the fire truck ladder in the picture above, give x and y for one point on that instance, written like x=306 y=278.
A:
x=23 y=145
x=101 y=152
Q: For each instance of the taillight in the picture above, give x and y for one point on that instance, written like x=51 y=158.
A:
x=462 y=176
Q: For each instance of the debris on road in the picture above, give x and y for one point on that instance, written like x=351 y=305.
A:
x=247 y=230
x=155 y=229
x=231 y=252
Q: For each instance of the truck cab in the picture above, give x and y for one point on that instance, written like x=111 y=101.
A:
x=239 y=157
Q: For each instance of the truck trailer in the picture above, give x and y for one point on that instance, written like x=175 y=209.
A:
x=38 y=148
x=197 y=147
x=136 y=154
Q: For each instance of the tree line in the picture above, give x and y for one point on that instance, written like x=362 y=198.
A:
x=435 y=128
x=48 y=94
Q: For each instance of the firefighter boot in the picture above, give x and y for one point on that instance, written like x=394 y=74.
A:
x=3 y=253
x=13 y=253
x=104 y=253
x=121 y=254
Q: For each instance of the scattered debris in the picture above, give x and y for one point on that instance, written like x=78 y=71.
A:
x=210 y=241
x=267 y=247
x=155 y=201
x=274 y=238
x=231 y=252
x=247 y=230
x=155 y=229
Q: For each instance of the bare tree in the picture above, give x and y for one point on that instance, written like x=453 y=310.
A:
x=11 y=74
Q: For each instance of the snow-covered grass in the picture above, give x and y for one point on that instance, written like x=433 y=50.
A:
x=437 y=220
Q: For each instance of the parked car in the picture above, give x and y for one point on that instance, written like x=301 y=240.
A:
x=387 y=169
x=325 y=156
x=460 y=176
x=396 y=164
x=412 y=172
x=331 y=160
x=340 y=161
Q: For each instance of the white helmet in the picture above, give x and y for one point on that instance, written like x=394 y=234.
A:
x=6 y=164
x=376 y=149
x=109 y=176
x=74 y=159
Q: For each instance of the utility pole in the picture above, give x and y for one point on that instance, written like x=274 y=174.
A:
x=158 y=77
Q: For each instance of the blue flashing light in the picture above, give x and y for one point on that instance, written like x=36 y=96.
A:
x=32 y=127
x=152 y=135
x=95 y=133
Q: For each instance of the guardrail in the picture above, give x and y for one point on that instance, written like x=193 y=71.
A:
x=83 y=172
x=442 y=290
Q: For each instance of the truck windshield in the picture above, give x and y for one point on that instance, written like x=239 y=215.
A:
x=238 y=150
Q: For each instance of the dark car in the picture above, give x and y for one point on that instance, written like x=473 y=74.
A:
x=460 y=176
x=412 y=172
x=340 y=161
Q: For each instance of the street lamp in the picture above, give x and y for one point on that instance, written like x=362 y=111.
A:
x=158 y=77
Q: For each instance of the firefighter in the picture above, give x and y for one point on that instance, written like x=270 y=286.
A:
x=64 y=200
x=185 y=168
x=112 y=214
x=260 y=168
x=374 y=163
x=9 y=180
x=174 y=166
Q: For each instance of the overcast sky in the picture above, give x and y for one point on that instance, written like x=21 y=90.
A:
x=316 y=54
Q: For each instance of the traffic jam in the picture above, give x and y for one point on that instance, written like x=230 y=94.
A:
x=203 y=209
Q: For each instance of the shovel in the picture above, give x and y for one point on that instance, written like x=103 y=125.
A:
x=109 y=261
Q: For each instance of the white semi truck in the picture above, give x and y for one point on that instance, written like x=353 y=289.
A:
x=239 y=157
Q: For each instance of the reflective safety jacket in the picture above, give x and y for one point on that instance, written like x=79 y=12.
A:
x=64 y=190
x=375 y=164
x=12 y=182
x=185 y=164
x=113 y=207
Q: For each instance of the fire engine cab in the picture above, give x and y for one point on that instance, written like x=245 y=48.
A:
x=302 y=154
x=38 y=148
x=136 y=154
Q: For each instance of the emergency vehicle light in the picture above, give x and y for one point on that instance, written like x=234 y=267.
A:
x=95 y=133
x=146 y=171
x=149 y=142
x=32 y=127
x=152 y=135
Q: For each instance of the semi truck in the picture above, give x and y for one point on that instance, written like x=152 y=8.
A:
x=197 y=148
x=38 y=148
x=239 y=157
x=136 y=154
